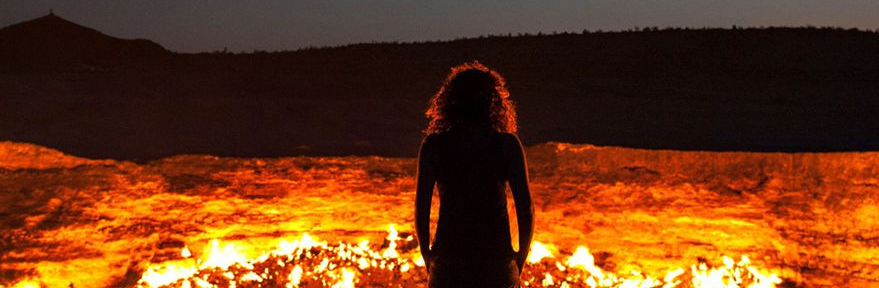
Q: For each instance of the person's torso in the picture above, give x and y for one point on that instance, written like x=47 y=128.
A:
x=471 y=179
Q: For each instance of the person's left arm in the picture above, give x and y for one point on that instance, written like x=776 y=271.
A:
x=517 y=172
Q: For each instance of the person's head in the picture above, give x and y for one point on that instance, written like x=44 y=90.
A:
x=472 y=94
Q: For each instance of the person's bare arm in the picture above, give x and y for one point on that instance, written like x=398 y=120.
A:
x=518 y=179
x=426 y=179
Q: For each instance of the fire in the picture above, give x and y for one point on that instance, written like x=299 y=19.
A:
x=295 y=277
x=606 y=217
x=28 y=283
x=391 y=252
x=166 y=274
x=732 y=275
x=309 y=262
x=582 y=259
x=538 y=252
x=302 y=261
x=222 y=258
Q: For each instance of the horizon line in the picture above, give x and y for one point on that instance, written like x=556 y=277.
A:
x=584 y=31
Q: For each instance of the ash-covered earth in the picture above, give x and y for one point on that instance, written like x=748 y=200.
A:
x=809 y=217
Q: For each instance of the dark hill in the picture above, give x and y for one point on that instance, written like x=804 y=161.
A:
x=772 y=89
x=51 y=42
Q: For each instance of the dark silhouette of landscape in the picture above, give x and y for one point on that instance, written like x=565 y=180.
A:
x=75 y=89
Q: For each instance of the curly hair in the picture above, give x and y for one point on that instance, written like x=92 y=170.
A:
x=472 y=93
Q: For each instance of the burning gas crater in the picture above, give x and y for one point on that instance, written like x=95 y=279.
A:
x=605 y=217
x=308 y=262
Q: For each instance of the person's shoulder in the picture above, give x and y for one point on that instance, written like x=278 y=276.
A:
x=509 y=138
x=510 y=142
x=429 y=145
x=431 y=139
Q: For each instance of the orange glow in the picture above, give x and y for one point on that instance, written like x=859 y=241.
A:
x=339 y=266
x=606 y=217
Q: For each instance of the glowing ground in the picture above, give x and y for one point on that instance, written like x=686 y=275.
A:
x=608 y=217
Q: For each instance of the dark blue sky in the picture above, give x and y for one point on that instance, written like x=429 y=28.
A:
x=208 y=25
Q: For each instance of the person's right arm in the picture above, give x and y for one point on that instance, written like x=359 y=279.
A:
x=426 y=179
x=518 y=178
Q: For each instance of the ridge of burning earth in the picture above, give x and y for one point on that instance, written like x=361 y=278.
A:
x=308 y=262
x=649 y=219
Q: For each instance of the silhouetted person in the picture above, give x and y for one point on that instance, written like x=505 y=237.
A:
x=470 y=153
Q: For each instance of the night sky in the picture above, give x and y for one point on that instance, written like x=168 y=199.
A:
x=245 y=25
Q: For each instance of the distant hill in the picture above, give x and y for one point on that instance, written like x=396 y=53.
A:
x=51 y=42
x=766 y=89
x=28 y=156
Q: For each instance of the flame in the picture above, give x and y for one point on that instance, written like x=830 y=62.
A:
x=582 y=259
x=27 y=283
x=391 y=252
x=295 y=277
x=347 y=279
x=224 y=258
x=732 y=275
x=185 y=253
x=642 y=217
x=547 y=281
x=538 y=252
x=309 y=262
x=166 y=274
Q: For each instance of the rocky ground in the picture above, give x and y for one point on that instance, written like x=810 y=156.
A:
x=808 y=217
